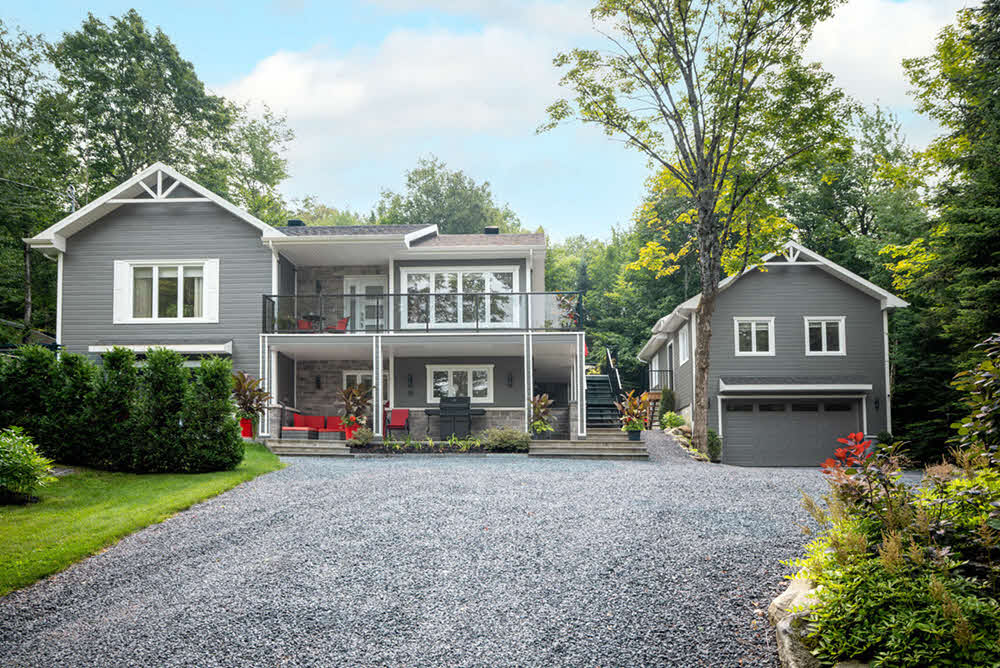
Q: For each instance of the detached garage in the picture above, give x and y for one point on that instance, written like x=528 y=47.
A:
x=784 y=431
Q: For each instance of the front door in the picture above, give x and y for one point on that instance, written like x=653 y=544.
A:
x=365 y=303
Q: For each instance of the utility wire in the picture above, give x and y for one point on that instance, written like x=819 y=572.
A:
x=70 y=193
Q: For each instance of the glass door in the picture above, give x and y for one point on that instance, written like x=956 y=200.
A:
x=365 y=303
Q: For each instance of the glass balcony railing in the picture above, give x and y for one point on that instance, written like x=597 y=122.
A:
x=422 y=311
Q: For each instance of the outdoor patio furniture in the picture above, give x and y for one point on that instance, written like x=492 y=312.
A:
x=397 y=418
x=304 y=426
x=303 y=325
x=340 y=327
x=334 y=428
x=455 y=417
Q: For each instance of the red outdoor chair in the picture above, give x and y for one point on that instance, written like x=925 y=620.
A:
x=334 y=426
x=340 y=327
x=398 y=418
x=304 y=325
x=304 y=426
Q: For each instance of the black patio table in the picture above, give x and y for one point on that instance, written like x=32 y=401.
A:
x=455 y=417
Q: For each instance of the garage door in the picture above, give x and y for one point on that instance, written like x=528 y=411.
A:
x=780 y=432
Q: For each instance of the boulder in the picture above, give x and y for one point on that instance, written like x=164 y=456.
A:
x=798 y=593
x=792 y=651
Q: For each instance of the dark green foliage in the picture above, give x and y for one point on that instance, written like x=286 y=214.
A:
x=714 y=446
x=30 y=383
x=70 y=407
x=22 y=469
x=361 y=438
x=884 y=438
x=114 y=410
x=667 y=401
x=211 y=432
x=980 y=389
x=159 y=446
x=505 y=439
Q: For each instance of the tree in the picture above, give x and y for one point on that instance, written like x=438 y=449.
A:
x=451 y=200
x=133 y=100
x=313 y=212
x=717 y=95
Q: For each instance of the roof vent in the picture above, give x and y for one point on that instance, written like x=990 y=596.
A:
x=492 y=229
x=295 y=222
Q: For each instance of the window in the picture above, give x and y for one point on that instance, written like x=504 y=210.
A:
x=464 y=297
x=837 y=408
x=754 y=336
x=466 y=380
x=805 y=408
x=736 y=407
x=826 y=336
x=682 y=342
x=771 y=408
x=165 y=291
x=362 y=379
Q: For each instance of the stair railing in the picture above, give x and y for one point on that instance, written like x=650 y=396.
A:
x=613 y=375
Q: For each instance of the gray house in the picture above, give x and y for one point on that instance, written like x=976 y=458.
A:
x=162 y=261
x=799 y=356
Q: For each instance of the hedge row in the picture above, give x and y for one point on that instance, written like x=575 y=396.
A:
x=163 y=417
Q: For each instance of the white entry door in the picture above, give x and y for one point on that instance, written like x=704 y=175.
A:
x=365 y=303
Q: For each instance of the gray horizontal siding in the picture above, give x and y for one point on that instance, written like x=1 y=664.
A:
x=788 y=294
x=166 y=231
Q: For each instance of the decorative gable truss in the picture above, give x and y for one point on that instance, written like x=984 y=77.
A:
x=158 y=188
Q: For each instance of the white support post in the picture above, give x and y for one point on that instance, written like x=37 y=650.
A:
x=581 y=393
x=377 y=384
x=527 y=389
x=885 y=342
x=392 y=380
x=59 y=298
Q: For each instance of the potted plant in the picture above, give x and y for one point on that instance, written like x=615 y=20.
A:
x=633 y=410
x=251 y=400
x=357 y=401
x=541 y=414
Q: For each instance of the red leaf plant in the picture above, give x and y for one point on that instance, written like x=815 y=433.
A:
x=857 y=451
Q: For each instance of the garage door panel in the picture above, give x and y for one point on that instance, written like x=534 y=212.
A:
x=776 y=432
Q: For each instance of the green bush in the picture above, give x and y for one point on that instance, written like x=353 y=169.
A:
x=159 y=443
x=113 y=409
x=667 y=402
x=361 y=437
x=671 y=420
x=505 y=439
x=70 y=407
x=884 y=438
x=211 y=433
x=714 y=446
x=22 y=469
x=30 y=387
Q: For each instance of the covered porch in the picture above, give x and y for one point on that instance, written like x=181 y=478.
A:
x=498 y=371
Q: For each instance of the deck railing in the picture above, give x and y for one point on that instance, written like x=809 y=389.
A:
x=661 y=379
x=422 y=311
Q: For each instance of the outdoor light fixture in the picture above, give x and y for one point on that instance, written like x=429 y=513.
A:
x=319 y=383
x=319 y=286
x=409 y=380
x=876 y=404
x=510 y=379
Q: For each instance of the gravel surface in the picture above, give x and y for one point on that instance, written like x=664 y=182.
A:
x=429 y=561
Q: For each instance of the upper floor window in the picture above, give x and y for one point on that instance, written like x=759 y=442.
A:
x=683 y=345
x=826 y=335
x=460 y=297
x=162 y=291
x=754 y=336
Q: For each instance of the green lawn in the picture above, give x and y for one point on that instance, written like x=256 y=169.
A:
x=85 y=512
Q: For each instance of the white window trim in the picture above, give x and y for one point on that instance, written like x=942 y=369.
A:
x=404 y=281
x=359 y=373
x=683 y=345
x=842 y=324
x=753 y=338
x=431 y=368
x=123 y=285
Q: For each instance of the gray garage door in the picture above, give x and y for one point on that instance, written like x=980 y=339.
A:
x=781 y=432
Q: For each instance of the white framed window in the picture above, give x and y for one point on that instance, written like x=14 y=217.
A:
x=754 y=336
x=166 y=291
x=826 y=335
x=359 y=377
x=460 y=380
x=683 y=345
x=463 y=297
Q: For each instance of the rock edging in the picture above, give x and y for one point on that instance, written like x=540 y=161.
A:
x=788 y=614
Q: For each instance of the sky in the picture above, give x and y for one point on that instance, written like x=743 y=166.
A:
x=371 y=86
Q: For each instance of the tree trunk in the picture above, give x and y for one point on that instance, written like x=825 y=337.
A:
x=703 y=340
x=27 y=294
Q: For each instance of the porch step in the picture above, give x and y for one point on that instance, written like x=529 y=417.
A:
x=595 y=448
x=308 y=447
x=607 y=434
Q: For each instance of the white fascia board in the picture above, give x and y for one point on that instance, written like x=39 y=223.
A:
x=823 y=387
x=419 y=234
x=56 y=242
x=92 y=211
x=307 y=239
x=190 y=348
x=654 y=344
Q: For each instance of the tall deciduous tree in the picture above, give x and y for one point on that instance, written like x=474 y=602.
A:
x=714 y=92
x=451 y=200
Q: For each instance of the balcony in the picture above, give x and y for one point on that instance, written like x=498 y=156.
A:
x=661 y=379
x=422 y=312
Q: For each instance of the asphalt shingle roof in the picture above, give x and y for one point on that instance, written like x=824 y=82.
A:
x=450 y=240
x=347 y=230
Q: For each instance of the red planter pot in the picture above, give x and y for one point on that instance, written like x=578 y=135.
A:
x=246 y=426
x=349 y=432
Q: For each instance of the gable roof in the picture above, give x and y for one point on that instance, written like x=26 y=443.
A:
x=534 y=239
x=146 y=186
x=794 y=254
x=347 y=230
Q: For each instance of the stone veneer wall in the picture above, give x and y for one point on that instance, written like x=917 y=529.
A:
x=331 y=278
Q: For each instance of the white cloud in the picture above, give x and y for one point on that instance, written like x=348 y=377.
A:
x=864 y=44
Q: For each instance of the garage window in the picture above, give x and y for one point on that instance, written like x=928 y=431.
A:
x=837 y=407
x=754 y=336
x=736 y=407
x=771 y=408
x=805 y=408
x=826 y=336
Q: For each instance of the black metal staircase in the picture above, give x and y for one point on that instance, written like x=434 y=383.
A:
x=601 y=411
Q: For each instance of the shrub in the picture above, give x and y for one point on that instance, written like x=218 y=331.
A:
x=211 y=433
x=981 y=389
x=667 y=402
x=113 y=410
x=22 y=469
x=159 y=446
x=29 y=390
x=505 y=439
x=70 y=409
x=361 y=438
x=541 y=414
x=714 y=446
x=671 y=420
x=884 y=438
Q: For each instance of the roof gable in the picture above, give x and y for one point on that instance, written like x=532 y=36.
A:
x=158 y=183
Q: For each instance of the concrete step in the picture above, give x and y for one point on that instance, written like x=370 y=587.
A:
x=304 y=447
x=591 y=453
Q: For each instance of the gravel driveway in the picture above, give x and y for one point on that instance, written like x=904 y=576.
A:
x=428 y=561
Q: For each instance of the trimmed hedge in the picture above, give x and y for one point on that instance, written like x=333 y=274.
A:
x=162 y=418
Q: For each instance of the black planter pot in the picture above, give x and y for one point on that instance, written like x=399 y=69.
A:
x=634 y=435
